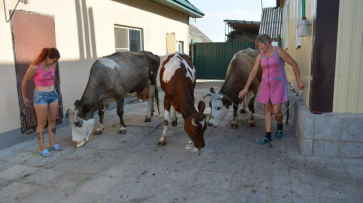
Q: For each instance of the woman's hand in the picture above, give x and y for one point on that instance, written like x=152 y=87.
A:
x=26 y=102
x=300 y=85
x=242 y=93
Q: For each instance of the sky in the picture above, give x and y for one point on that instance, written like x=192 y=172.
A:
x=216 y=11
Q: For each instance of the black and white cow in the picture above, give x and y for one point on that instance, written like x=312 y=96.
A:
x=111 y=78
x=236 y=78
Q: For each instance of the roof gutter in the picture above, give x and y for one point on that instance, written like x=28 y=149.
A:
x=181 y=8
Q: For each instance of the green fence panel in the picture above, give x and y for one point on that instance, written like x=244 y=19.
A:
x=211 y=60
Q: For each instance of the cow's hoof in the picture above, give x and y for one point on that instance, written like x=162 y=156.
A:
x=251 y=125
x=234 y=125
x=123 y=131
x=81 y=144
x=160 y=144
x=174 y=123
x=147 y=120
x=97 y=132
x=242 y=111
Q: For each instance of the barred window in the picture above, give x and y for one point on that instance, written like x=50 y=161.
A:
x=127 y=39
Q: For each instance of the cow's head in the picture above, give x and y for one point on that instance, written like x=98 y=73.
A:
x=195 y=126
x=81 y=126
x=219 y=107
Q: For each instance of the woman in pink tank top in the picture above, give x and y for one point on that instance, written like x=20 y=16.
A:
x=273 y=88
x=45 y=97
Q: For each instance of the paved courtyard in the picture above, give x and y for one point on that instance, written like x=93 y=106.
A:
x=233 y=167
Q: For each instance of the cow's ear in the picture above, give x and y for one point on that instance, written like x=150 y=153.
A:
x=212 y=90
x=86 y=108
x=201 y=107
x=76 y=103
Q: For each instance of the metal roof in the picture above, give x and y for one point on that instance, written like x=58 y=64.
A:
x=271 y=22
x=197 y=35
x=243 y=25
x=183 y=6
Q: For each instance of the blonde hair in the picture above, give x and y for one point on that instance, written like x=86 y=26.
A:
x=263 y=38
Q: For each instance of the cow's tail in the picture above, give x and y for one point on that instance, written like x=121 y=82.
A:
x=156 y=96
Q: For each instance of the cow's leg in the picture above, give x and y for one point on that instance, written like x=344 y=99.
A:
x=174 y=119
x=120 y=113
x=150 y=101
x=243 y=104
x=167 y=119
x=251 y=107
x=234 y=123
x=152 y=105
x=100 y=127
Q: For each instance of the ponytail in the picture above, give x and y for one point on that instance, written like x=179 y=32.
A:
x=50 y=52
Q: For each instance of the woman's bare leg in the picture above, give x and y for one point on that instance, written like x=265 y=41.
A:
x=276 y=108
x=52 y=118
x=268 y=119
x=42 y=116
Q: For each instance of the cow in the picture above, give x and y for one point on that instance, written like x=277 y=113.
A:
x=111 y=79
x=177 y=80
x=253 y=53
x=236 y=78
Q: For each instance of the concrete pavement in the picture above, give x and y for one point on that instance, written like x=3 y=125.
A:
x=233 y=167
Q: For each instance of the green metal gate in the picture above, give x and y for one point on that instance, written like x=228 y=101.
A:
x=211 y=59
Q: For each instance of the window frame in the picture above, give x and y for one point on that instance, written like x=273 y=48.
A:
x=128 y=37
x=182 y=46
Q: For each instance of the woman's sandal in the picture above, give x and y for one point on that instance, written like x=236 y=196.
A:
x=264 y=140
x=56 y=148
x=45 y=153
x=278 y=134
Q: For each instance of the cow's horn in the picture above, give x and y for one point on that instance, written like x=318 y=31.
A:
x=218 y=96
x=193 y=122
x=208 y=94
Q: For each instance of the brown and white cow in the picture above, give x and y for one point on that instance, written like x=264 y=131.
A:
x=177 y=79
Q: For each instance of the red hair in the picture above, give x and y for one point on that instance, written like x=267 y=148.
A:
x=50 y=52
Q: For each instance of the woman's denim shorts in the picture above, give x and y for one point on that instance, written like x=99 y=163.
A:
x=41 y=97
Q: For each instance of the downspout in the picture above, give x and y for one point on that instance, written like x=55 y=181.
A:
x=303 y=9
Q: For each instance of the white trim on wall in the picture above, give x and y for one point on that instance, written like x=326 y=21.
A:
x=287 y=24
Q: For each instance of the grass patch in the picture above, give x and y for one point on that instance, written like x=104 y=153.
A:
x=73 y=151
x=79 y=182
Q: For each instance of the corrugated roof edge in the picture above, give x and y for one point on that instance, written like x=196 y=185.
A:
x=182 y=6
x=190 y=6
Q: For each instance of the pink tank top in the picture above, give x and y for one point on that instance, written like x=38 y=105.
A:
x=44 y=78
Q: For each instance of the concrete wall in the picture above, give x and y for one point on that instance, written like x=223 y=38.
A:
x=84 y=32
x=327 y=135
x=348 y=93
x=302 y=54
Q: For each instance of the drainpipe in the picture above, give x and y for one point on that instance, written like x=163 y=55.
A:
x=192 y=50
x=303 y=9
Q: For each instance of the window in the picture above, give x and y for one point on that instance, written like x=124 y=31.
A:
x=127 y=39
x=181 y=47
x=287 y=24
x=299 y=16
